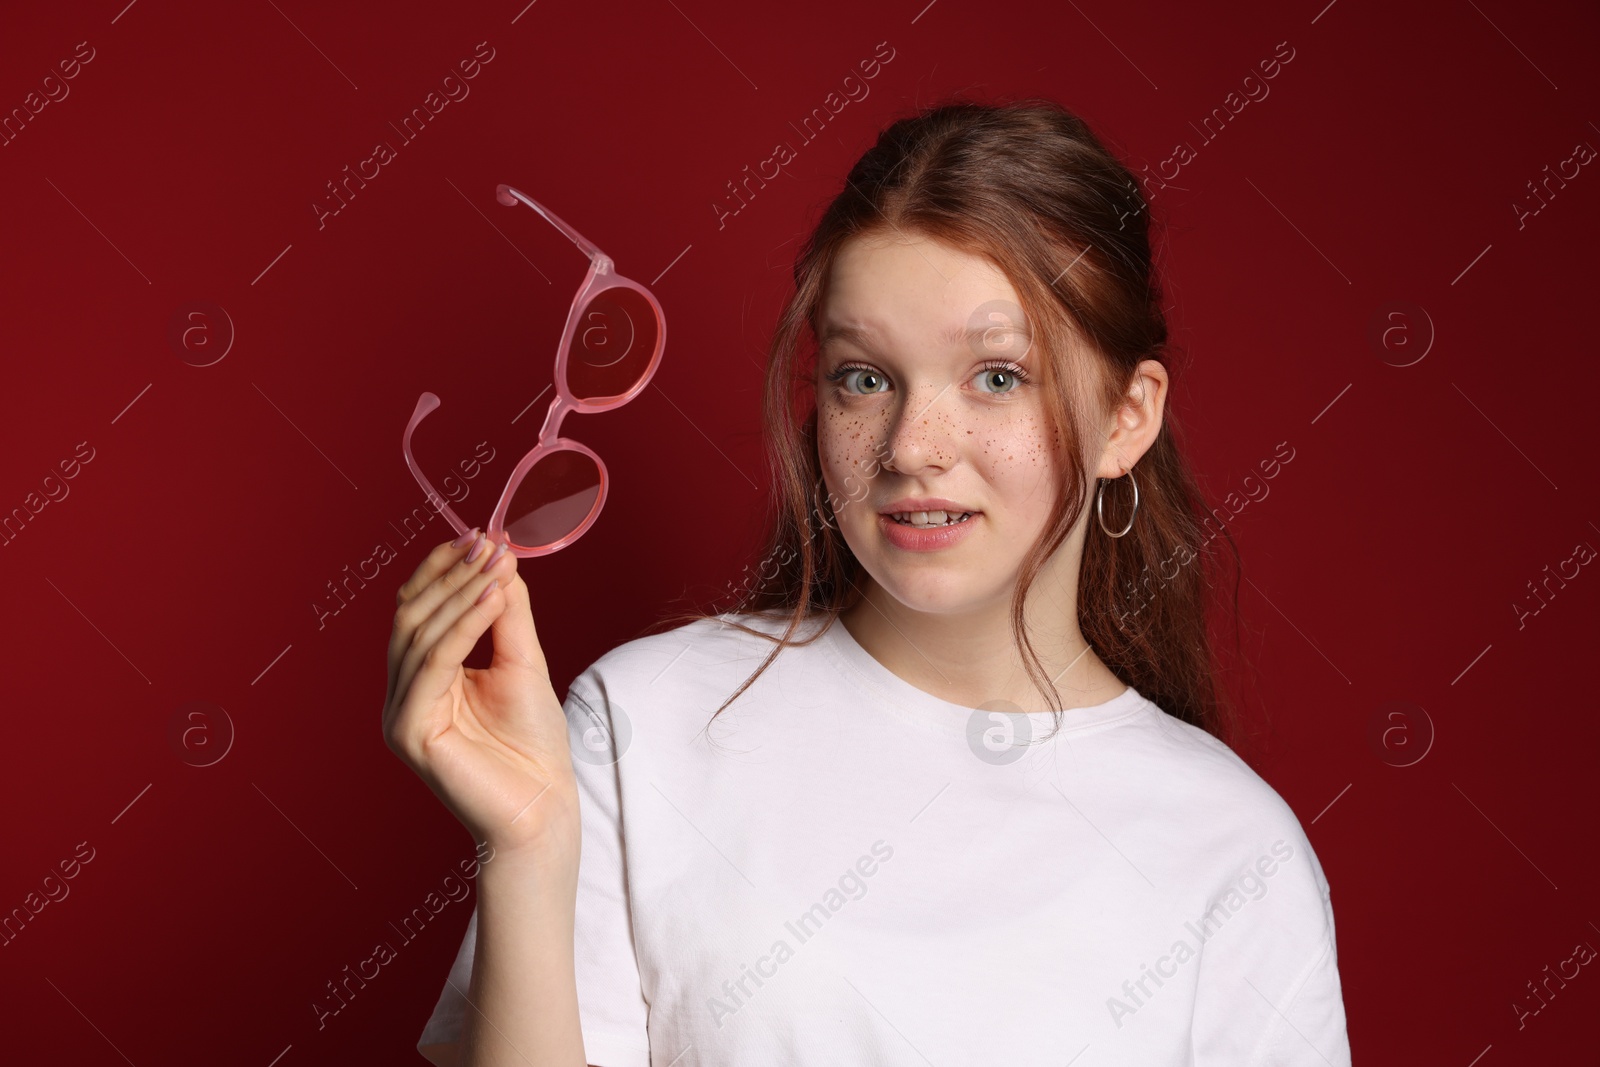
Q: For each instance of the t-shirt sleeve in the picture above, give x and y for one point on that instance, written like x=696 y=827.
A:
x=1269 y=986
x=1308 y=1027
x=611 y=1004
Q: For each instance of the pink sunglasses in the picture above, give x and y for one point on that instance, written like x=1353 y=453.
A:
x=610 y=349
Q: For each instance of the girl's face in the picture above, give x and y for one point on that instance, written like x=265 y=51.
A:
x=928 y=387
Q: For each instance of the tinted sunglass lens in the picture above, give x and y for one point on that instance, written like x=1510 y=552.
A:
x=555 y=497
x=612 y=345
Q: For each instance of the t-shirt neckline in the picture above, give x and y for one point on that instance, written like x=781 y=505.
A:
x=925 y=710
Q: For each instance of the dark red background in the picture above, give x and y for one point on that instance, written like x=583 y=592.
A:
x=185 y=563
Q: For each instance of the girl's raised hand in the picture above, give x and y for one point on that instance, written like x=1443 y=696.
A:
x=491 y=742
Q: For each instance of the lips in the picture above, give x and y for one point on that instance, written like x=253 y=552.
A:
x=924 y=539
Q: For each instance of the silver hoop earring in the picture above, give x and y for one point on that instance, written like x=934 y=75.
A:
x=1100 y=502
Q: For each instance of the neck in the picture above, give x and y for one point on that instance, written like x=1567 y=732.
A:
x=971 y=657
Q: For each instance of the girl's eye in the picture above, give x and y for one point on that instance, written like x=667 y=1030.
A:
x=1006 y=377
x=870 y=379
x=1000 y=377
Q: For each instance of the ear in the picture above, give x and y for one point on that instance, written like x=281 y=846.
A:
x=1132 y=428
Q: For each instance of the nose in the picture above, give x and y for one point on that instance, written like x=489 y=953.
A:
x=923 y=431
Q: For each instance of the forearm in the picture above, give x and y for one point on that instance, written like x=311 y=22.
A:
x=523 y=1007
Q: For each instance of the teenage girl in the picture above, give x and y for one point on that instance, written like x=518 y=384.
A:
x=946 y=787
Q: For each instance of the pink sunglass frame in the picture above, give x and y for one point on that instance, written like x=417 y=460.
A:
x=601 y=277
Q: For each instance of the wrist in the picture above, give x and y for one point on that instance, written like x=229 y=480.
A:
x=545 y=868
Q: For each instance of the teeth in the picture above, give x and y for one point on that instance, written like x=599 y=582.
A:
x=929 y=518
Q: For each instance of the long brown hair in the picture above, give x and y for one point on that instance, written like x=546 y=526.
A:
x=1029 y=186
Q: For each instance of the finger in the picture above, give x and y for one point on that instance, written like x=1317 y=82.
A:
x=442 y=558
x=430 y=664
x=420 y=606
x=516 y=640
x=455 y=590
x=428 y=571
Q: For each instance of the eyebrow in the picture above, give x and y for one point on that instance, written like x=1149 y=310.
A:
x=866 y=337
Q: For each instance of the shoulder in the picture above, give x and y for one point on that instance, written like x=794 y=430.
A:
x=1259 y=910
x=705 y=639
x=1218 y=808
x=1202 y=770
x=696 y=658
x=1234 y=857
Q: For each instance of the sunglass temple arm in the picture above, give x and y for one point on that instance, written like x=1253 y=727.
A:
x=509 y=197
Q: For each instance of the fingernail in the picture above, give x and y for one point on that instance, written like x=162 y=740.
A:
x=477 y=549
x=464 y=538
x=486 y=591
x=499 y=551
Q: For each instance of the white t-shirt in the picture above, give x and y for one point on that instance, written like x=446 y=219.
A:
x=844 y=869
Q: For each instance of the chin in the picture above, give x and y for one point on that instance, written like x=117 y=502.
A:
x=929 y=592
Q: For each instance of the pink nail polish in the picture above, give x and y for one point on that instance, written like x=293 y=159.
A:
x=499 y=551
x=464 y=538
x=486 y=591
x=477 y=549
